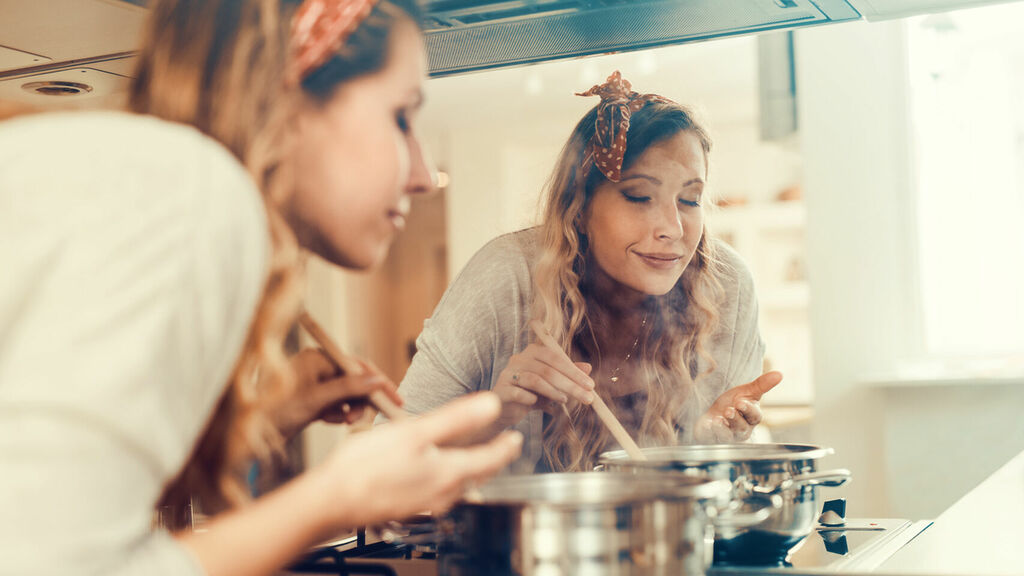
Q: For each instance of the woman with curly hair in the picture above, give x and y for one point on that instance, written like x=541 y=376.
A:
x=660 y=318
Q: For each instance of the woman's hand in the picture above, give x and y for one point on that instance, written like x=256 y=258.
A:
x=540 y=378
x=735 y=413
x=320 y=394
x=402 y=468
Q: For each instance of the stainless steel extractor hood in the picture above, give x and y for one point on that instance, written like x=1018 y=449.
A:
x=468 y=35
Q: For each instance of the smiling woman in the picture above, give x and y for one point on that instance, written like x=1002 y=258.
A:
x=660 y=318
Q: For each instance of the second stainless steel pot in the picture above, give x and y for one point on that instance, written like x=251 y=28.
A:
x=755 y=471
x=605 y=524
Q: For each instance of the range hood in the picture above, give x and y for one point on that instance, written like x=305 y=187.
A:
x=469 y=35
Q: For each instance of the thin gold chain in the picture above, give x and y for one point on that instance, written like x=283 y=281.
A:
x=615 y=373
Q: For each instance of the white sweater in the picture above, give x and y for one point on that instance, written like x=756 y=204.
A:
x=132 y=255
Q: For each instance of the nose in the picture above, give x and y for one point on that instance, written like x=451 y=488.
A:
x=668 y=223
x=422 y=172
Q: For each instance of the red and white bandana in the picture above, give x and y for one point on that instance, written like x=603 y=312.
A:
x=607 y=147
x=319 y=28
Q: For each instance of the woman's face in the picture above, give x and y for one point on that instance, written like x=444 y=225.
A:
x=644 y=230
x=357 y=159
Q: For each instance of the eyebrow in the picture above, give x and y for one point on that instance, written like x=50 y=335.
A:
x=690 y=182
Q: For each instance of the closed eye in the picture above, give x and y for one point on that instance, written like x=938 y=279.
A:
x=402 y=121
x=691 y=203
x=635 y=199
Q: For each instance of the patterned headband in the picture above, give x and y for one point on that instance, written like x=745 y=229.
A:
x=319 y=28
x=607 y=147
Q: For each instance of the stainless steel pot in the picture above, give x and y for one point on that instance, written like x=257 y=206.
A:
x=755 y=471
x=610 y=524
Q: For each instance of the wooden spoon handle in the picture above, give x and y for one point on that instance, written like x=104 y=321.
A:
x=603 y=413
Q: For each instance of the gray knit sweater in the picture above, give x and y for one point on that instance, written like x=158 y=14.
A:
x=482 y=319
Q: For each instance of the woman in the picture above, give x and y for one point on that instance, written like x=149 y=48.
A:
x=149 y=270
x=660 y=318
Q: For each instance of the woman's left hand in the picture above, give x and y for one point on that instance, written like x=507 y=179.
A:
x=735 y=413
x=320 y=394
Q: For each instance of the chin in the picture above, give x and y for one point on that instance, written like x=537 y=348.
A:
x=366 y=258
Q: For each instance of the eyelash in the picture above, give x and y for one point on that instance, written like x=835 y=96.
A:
x=643 y=199
x=402 y=120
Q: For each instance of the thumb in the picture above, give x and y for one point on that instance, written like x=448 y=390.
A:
x=761 y=385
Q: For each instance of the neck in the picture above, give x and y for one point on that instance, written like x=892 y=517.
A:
x=611 y=299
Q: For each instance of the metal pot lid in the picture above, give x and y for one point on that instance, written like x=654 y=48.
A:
x=700 y=454
x=588 y=488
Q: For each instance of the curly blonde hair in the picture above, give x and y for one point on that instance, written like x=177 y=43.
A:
x=680 y=322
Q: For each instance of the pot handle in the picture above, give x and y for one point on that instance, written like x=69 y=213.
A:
x=827 y=478
x=746 y=519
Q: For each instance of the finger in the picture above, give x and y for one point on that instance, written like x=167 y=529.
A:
x=765 y=382
x=458 y=419
x=540 y=386
x=720 y=430
x=751 y=411
x=565 y=385
x=558 y=361
x=585 y=367
x=355 y=413
x=391 y=391
x=739 y=427
x=511 y=394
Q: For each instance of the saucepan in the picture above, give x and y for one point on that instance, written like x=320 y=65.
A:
x=566 y=524
x=754 y=471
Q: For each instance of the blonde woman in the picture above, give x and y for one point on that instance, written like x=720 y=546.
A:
x=660 y=318
x=151 y=277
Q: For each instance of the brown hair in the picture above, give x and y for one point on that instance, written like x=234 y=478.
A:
x=680 y=321
x=219 y=65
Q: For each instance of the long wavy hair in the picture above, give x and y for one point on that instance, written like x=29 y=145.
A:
x=679 y=323
x=219 y=65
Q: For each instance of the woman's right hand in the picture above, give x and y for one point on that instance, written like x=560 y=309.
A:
x=539 y=377
x=403 y=468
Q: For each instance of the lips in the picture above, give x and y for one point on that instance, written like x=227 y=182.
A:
x=398 y=218
x=660 y=260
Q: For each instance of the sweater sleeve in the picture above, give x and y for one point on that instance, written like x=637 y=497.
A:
x=136 y=269
x=747 y=354
x=475 y=328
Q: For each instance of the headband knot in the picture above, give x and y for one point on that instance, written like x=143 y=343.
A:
x=607 y=147
x=319 y=28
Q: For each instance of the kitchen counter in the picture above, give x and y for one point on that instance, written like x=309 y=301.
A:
x=981 y=534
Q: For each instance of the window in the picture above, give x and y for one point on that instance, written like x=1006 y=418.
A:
x=966 y=74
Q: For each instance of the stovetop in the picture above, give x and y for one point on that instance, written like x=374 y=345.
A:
x=858 y=545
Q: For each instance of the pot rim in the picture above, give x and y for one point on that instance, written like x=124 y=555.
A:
x=571 y=489
x=702 y=454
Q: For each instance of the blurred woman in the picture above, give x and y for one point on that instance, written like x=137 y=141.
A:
x=659 y=317
x=152 y=277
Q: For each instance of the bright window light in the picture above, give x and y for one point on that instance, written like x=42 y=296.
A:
x=967 y=99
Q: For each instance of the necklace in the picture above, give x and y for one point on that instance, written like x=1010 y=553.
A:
x=615 y=373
